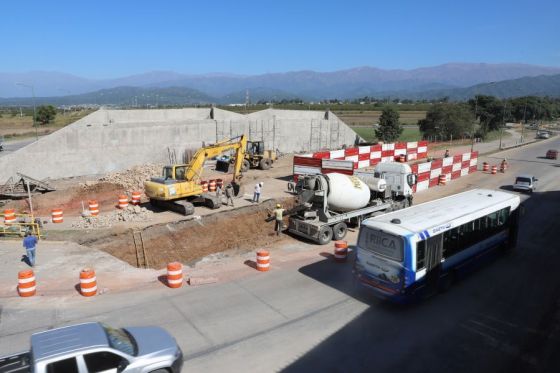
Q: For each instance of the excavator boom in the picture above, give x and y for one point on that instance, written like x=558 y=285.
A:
x=182 y=182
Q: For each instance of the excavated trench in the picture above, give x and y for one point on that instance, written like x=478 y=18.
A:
x=241 y=230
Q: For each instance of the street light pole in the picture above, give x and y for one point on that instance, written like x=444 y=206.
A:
x=503 y=124
x=523 y=122
x=472 y=130
x=34 y=109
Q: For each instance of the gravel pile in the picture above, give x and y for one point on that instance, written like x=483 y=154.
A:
x=130 y=214
x=133 y=178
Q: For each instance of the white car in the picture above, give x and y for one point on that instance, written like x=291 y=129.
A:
x=525 y=183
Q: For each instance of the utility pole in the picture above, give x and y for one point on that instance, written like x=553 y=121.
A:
x=34 y=109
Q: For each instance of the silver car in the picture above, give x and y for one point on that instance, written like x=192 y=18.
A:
x=525 y=183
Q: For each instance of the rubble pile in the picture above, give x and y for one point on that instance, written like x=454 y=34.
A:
x=133 y=178
x=130 y=214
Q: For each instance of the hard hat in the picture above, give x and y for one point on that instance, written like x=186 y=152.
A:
x=278 y=205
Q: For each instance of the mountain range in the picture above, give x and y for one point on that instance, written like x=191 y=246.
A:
x=455 y=80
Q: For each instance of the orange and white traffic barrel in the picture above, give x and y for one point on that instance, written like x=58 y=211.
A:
x=88 y=282
x=442 y=180
x=340 y=251
x=174 y=275
x=204 y=185
x=494 y=170
x=26 y=283
x=123 y=201
x=220 y=183
x=135 y=200
x=57 y=216
x=93 y=207
x=10 y=216
x=485 y=167
x=212 y=185
x=263 y=260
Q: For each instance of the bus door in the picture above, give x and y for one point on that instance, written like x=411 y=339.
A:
x=434 y=246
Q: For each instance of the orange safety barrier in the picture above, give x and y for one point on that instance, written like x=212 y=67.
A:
x=10 y=216
x=220 y=183
x=340 y=251
x=174 y=275
x=485 y=167
x=88 y=282
x=93 y=207
x=204 y=185
x=442 y=180
x=26 y=283
x=263 y=260
x=136 y=196
x=494 y=170
x=123 y=201
x=212 y=185
x=57 y=216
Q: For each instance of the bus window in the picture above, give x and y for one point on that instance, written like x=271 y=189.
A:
x=450 y=242
x=420 y=255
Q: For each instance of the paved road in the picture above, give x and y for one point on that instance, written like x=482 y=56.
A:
x=12 y=146
x=307 y=314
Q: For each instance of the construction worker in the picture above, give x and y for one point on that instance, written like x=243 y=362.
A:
x=446 y=153
x=30 y=244
x=278 y=216
x=257 y=194
x=229 y=195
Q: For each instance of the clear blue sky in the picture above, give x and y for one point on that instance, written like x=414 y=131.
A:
x=105 y=39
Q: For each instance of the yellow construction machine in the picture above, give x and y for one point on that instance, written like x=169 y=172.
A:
x=257 y=156
x=179 y=186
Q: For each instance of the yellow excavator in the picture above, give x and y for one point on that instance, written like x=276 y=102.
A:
x=178 y=189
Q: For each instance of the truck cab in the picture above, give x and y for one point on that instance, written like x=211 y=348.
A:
x=399 y=178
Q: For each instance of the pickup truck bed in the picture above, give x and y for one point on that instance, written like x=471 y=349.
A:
x=16 y=363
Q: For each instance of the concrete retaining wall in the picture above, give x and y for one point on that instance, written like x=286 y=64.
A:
x=110 y=140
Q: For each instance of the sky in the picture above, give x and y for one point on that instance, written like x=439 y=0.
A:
x=107 y=39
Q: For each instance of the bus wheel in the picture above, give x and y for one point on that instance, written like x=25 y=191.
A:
x=339 y=231
x=325 y=235
x=446 y=282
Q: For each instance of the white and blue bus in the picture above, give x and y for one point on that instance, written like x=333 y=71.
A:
x=417 y=250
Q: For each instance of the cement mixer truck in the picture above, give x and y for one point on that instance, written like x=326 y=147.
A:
x=327 y=204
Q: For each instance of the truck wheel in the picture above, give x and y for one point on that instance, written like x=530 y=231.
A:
x=245 y=166
x=264 y=164
x=325 y=235
x=339 y=231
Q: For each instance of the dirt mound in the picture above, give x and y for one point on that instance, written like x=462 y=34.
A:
x=241 y=229
x=70 y=199
x=133 y=178
x=129 y=214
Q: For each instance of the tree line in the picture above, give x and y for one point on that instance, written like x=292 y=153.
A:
x=476 y=117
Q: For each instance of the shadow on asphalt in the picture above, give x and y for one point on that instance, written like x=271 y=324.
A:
x=501 y=318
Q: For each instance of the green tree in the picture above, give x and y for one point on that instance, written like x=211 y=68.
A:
x=389 y=127
x=45 y=114
x=447 y=120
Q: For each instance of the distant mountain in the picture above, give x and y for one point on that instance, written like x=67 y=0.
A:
x=314 y=85
x=543 y=85
x=122 y=96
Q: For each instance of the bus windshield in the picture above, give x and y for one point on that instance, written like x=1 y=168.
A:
x=381 y=243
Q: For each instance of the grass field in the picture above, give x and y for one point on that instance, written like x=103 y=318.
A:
x=408 y=134
x=368 y=118
x=19 y=127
